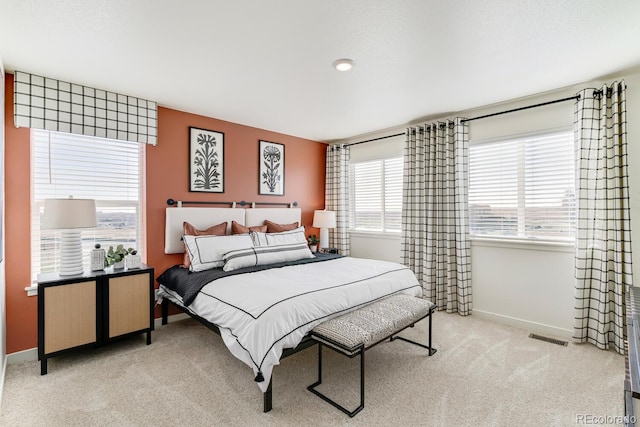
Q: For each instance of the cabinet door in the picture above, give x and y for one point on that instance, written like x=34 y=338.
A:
x=69 y=316
x=129 y=304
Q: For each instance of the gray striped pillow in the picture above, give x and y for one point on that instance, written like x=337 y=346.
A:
x=263 y=255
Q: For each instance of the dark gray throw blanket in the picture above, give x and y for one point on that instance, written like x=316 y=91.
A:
x=187 y=284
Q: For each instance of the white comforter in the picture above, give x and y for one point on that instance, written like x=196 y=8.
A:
x=261 y=313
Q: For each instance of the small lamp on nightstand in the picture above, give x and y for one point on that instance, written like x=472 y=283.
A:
x=324 y=220
x=69 y=216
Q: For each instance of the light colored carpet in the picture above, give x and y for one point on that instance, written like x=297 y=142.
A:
x=484 y=374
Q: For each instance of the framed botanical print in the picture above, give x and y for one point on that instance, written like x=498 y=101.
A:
x=206 y=160
x=271 y=177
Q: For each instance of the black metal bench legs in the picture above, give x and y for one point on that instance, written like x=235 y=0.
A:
x=432 y=350
x=360 y=351
x=312 y=387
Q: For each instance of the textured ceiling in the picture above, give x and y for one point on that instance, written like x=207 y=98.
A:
x=267 y=64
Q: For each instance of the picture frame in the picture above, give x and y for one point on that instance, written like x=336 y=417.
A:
x=206 y=160
x=271 y=171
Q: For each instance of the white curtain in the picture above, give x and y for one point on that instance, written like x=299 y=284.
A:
x=337 y=195
x=435 y=222
x=603 y=243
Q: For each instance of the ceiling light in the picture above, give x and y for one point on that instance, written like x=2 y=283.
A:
x=343 y=64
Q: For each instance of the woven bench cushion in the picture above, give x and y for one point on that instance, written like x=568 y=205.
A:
x=371 y=323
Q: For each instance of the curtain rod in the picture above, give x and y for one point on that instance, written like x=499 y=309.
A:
x=376 y=139
x=179 y=203
x=542 y=104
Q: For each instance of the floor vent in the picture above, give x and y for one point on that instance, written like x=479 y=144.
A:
x=547 y=339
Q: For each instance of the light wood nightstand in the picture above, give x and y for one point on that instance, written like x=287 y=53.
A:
x=92 y=309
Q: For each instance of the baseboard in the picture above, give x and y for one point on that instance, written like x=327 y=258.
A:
x=31 y=354
x=539 y=328
x=2 y=377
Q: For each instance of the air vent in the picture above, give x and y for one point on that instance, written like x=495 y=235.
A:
x=547 y=339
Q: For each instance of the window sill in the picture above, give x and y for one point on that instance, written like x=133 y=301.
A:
x=375 y=234
x=524 y=244
x=32 y=290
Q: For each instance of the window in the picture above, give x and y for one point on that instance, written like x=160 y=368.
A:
x=376 y=195
x=523 y=188
x=109 y=171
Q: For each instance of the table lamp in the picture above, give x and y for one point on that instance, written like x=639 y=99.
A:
x=324 y=220
x=69 y=216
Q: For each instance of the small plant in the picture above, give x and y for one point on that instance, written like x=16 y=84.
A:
x=116 y=255
x=313 y=240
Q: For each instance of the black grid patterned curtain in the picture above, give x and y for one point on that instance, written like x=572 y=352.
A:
x=337 y=195
x=44 y=103
x=603 y=242
x=435 y=222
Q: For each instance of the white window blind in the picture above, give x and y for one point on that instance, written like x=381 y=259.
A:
x=109 y=171
x=376 y=195
x=523 y=188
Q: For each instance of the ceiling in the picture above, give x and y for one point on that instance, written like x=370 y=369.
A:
x=267 y=64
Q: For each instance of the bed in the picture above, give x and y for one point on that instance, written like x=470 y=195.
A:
x=264 y=312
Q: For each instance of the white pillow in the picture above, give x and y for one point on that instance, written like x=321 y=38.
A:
x=282 y=238
x=263 y=255
x=206 y=251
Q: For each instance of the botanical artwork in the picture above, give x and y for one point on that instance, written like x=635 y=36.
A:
x=271 y=168
x=206 y=160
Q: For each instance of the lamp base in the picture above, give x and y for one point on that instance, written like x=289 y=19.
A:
x=324 y=238
x=70 y=253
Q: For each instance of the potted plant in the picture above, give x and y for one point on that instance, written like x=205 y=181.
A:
x=116 y=256
x=313 y=242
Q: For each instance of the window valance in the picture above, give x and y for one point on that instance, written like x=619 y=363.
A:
x=44 y=103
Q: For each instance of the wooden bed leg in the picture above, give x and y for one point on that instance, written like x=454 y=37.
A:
x=267 y=396
x=165 y=311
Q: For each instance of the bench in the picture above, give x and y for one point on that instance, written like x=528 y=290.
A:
x=353 y=333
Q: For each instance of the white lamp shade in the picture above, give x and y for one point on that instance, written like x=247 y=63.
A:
x=324 y=219
x=69 y=213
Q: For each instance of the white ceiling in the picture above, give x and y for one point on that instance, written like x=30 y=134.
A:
x=267 y=64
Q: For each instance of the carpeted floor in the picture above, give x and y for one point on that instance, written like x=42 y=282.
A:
x=484 y=374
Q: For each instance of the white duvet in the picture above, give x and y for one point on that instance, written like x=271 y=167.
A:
x=261 y=313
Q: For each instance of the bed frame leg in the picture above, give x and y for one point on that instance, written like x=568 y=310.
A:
x=165 y=311
x=267 y=395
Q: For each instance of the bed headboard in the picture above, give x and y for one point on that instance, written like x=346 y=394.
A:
x=203 y=218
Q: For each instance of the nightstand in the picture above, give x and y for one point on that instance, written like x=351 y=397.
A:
x=92 y=309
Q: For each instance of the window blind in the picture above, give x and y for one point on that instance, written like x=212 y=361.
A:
x=376 y=195
x=85 y=167
x=523 y=188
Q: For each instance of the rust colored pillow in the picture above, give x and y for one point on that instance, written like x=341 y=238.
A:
x=241 y=229
x=273 y=227
x=190 y=230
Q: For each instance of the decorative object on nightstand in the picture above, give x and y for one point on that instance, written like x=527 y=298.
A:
x=313 y=242
x=133 y=260
x=97 y=258
x=324 y=220
x=69 y=216
x=117 y=256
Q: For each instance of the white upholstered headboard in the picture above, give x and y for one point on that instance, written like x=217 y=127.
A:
x=202 y=218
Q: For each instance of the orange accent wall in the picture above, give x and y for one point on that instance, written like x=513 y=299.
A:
x=22 y=314
x=166 y=177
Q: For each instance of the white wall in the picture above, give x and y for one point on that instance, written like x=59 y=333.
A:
x=527 y=285
x=375 y=245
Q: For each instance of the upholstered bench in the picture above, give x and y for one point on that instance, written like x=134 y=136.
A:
x=353 y=333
